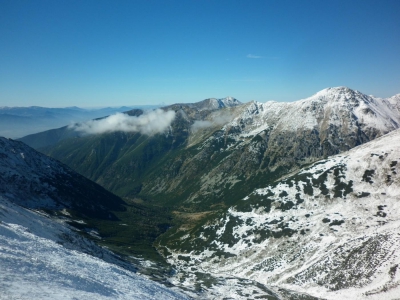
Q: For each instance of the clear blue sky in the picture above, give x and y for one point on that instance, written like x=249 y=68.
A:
x=100 y=53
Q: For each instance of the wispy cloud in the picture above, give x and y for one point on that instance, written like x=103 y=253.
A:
x=216 y=120
x=253 y=56
x=149 y=123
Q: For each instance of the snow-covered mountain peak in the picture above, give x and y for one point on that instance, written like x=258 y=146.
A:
x=394 y=101
x=339 y=94
x=229 y=101
x=336 y=90
x=331 y=106
x=214 y=103
x=211 y=104
x=395 y=97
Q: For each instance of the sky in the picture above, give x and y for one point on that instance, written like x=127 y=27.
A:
x=88 y=53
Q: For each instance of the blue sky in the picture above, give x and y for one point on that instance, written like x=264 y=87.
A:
x=107 y=53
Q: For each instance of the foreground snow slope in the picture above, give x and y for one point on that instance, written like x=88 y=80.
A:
x=42 y=259
x=331 y=230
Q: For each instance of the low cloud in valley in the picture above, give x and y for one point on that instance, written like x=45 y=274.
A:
x=217 y=120
x=149 y=123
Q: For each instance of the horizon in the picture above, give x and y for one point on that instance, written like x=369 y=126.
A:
x=168 y=104
x=96 y=53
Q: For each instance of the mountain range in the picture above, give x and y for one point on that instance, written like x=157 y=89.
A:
x=251 y=200
x=16 y=122
x=217 y=156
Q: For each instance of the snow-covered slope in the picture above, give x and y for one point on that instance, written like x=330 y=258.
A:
x=35 y=180
x=41 y=258
x=331 y=230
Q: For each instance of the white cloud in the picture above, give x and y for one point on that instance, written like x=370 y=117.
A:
x=217 y=120
x=149 y=123
x=197 y=125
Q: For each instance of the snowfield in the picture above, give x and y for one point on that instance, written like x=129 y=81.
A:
x=42 y=259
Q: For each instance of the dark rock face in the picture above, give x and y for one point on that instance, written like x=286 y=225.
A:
x=37 y=181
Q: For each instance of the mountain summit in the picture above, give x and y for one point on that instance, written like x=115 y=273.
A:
x=211 y=104
x=224 y=102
